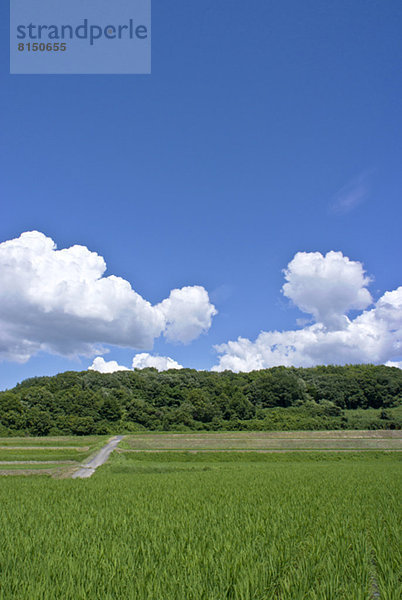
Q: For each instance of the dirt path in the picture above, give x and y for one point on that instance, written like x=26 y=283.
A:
x=90 y=467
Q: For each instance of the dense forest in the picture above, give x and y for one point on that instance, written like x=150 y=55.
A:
x=281 y=398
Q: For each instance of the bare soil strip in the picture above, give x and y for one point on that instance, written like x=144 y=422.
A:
x=253 y=451
x=338 y=433
x=267 y=441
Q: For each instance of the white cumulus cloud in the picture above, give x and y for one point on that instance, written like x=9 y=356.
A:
x=162 y=363
x=393 y=363
x=106 y=366
x=142 y=360
x=188 y=312
x=60 y=301
x=327 y=288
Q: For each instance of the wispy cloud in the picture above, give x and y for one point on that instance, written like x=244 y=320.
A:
x=351 y=195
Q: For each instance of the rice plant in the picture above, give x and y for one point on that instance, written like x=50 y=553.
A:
x=196 y=530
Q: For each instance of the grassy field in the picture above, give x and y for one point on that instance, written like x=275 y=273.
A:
x=59 y=441
x=265 y=441
x=211 y=516
x=21 y=466
x=50 y=454
x=174 y=526
x=47 y=454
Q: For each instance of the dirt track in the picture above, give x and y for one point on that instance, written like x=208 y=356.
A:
x=90 y=467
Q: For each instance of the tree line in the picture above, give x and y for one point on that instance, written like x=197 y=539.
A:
x=280 y=398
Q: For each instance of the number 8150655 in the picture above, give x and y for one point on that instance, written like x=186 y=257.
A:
x=42 y=47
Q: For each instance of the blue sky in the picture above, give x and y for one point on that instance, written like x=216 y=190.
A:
x=264 y=130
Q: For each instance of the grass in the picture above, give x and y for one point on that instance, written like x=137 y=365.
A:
x=59 y=441
x=181 y=526
x=30 y=466
x=25 y=450
x=395 y=412
x=211 y=457
x=44 y=455
x=361 y=418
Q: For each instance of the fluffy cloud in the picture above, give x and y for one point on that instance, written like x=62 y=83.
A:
x=162 y=363
x=392 y=363
x=106 y=366
x=188 y=312
x=326 y=287
x=140 y=361
x=60 y=301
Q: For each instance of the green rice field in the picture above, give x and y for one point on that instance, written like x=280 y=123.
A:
x=207 y=526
